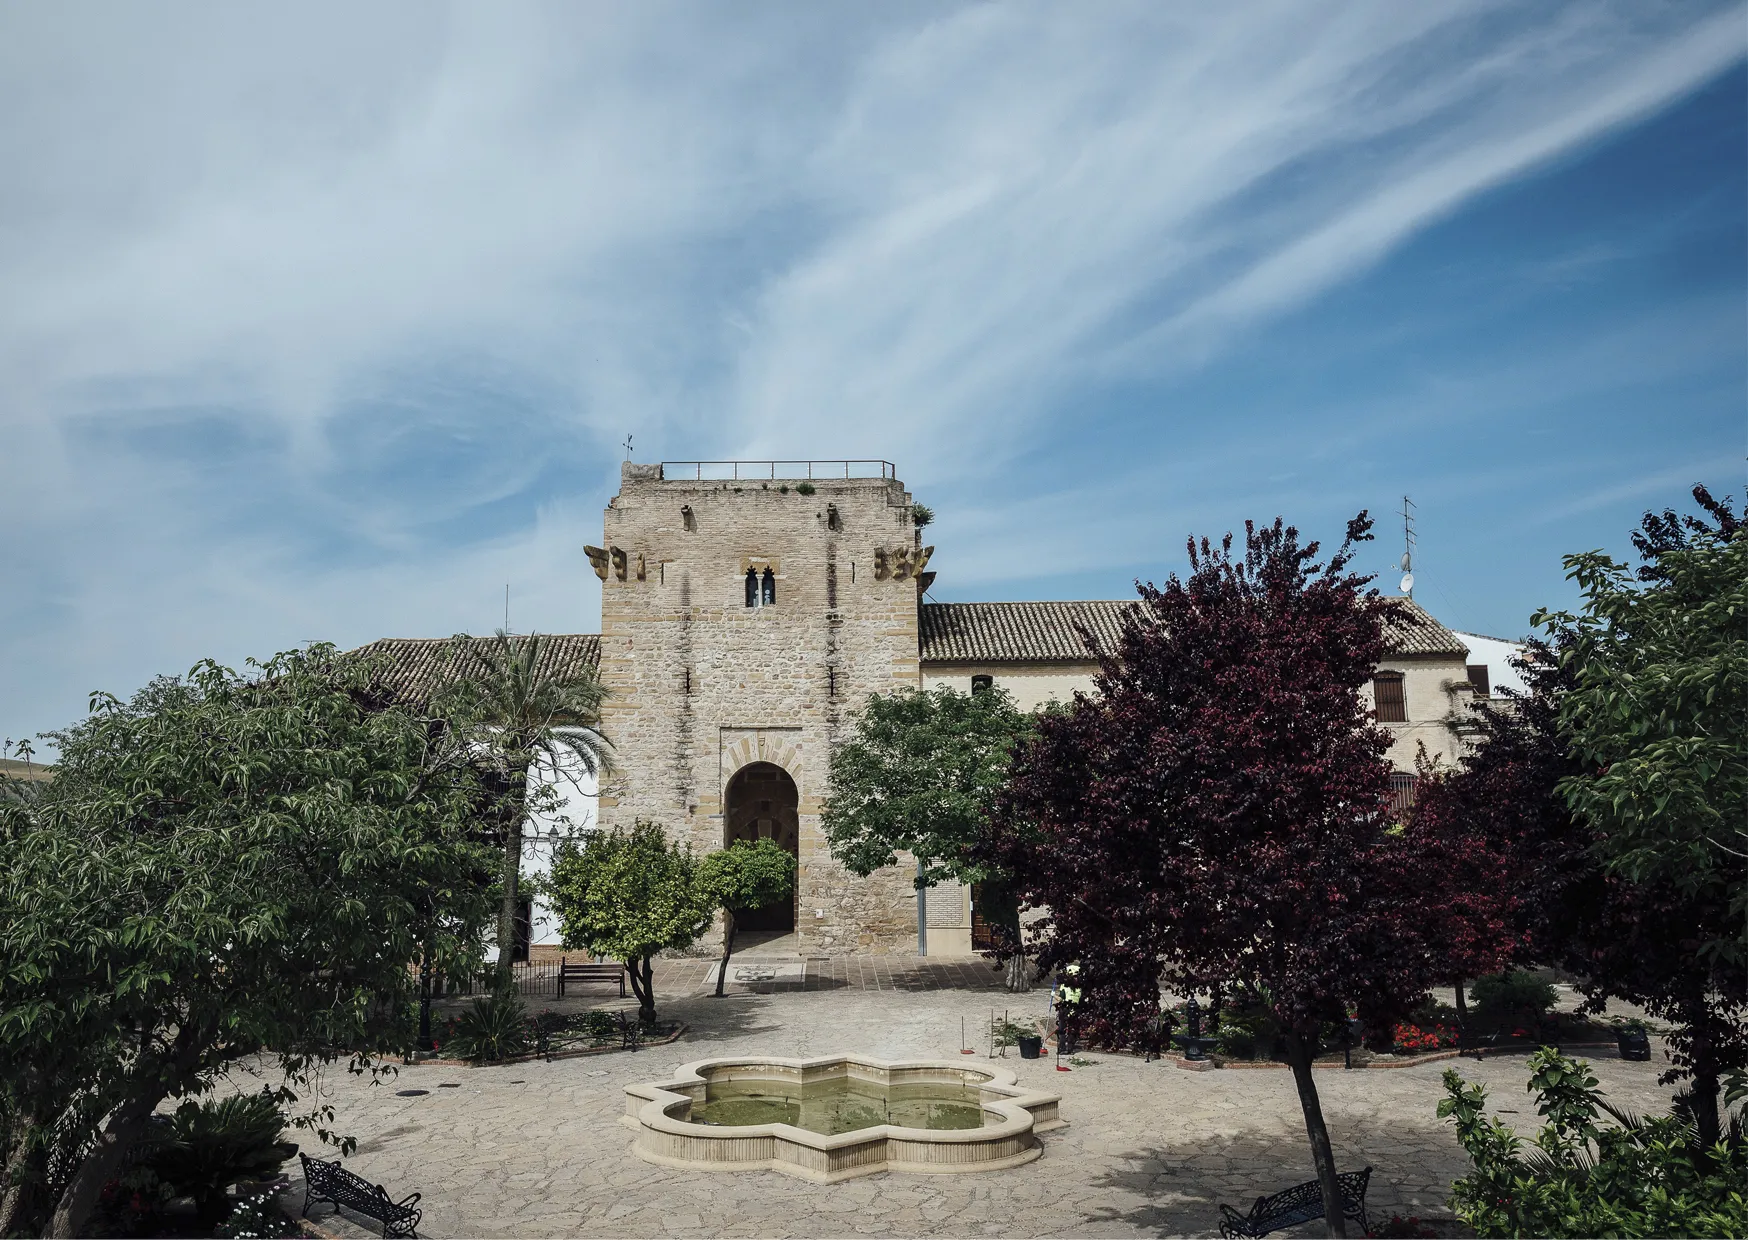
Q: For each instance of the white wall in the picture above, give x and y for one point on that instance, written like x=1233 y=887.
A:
x=1497 y=654
x=1031 y=685
x=576 y=791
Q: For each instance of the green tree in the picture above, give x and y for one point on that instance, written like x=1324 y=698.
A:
x=1657 y=715
x=1635 y=1177
x=629 y=895
x=224 y=866
x=1654 y=717
x=741 y=878
x=513 y=702
x=919 y=776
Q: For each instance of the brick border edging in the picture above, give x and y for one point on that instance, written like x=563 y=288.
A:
x=1434 y=1057
x=576 y=1053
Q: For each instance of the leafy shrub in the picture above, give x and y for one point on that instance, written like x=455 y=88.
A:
x=1639 y=1177
x=210 y=1146
x=133 y=1205
x=600 y=1026
x=921 y=515
x=1246 y=1030
x=495 y=1027
x=1514 y=998
x=257 y=1218
x=804 y=488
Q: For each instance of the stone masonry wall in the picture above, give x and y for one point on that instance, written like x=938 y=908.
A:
x=701 y=685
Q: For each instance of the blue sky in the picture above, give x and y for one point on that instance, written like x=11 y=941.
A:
x=327 y=322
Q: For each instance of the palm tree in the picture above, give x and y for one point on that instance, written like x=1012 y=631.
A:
x=520 y=709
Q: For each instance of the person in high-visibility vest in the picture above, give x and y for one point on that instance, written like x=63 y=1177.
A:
x=1064 y=999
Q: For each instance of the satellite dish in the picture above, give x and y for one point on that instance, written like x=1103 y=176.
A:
x=1407 y=582
x=1405 y=564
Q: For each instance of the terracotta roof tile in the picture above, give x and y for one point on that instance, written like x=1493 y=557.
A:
x=1016 y=632
x=416 y=667
x=1409 y=630
x=1046 y=632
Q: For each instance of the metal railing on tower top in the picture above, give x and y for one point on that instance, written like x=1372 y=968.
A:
x=734 y=471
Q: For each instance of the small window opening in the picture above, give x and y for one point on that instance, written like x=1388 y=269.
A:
x=980 y=683
x=1479 y=681
x=1402 y=790
x=769 y=595
x=752 y=587
x=1389 y=704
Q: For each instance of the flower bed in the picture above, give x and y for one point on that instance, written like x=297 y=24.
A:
x=1413 y=1039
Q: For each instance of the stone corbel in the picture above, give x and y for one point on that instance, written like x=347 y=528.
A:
x=882 y=569
x=901 y=563
x=641 y=569
x=597 y=557
x=920 y=560
x=618 y=563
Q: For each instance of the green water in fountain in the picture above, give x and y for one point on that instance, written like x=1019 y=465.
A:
x=839 y=1105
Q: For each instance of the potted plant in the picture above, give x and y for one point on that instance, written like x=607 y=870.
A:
x=1031 y=1045
x=1633 y=1038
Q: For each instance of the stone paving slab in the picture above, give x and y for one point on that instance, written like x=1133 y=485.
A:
x=536 y=1149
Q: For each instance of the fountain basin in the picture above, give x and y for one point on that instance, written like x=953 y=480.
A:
x=838 y=1117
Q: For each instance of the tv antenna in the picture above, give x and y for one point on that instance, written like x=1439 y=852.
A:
x=1408 y=545
x=627 y=446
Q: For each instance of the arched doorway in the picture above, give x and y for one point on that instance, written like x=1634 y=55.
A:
x=761 y=804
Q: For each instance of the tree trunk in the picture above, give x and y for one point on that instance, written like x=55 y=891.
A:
x=18 y=1174
x=642 y=973
x=1702 y=1089
x=727 y=949
x=1463 y=1003
x=1299 y=1055
x=1019 y=973
x=516 y=800
x=424 y=1000
x=104 y=1163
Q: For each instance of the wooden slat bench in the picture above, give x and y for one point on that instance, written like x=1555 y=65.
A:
x=593 y=971
x=330 y=1182
x=1299 y=1204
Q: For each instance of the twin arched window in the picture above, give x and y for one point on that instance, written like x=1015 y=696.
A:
x=761 y=591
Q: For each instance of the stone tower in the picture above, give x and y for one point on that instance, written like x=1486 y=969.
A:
x=743 y=621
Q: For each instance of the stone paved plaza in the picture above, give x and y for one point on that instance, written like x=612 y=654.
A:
x=537 y=1150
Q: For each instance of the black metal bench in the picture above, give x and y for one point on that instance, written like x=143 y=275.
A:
x=330 y=1182
x=601 y=971
x=1299 y=1204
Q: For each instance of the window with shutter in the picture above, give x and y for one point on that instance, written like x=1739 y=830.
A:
x=1391 y=706
x=1478 y=679
x=1402 y=790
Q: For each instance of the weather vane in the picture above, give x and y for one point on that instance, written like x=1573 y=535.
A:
x=628 y=447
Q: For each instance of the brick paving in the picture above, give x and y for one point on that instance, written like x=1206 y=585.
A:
x=535 y=1149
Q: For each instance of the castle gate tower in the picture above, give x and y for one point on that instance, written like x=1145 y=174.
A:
x=748 y=609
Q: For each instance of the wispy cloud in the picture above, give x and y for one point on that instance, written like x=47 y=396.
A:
x=320 y=320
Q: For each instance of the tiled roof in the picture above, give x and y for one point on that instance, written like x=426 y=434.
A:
x=1046 y=632
x=1409 y=630
x=416 y=667
x=1016 y=632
